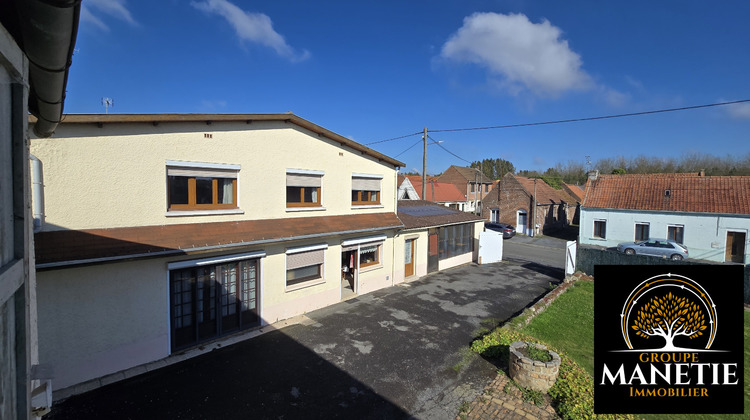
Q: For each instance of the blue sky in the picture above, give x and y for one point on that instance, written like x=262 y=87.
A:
x=373 y=71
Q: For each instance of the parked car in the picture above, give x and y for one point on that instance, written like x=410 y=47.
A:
x=655 y=247
x=507 y=230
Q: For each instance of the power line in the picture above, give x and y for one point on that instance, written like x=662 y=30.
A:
x=632 y=114
x=443 y=147
x=604 y=117
x=410 y=147
x=395 y=138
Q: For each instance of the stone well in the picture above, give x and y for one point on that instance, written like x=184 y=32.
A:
x=533 y=374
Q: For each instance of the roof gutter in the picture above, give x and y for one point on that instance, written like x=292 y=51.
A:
x=48 y=31
x=219 y=247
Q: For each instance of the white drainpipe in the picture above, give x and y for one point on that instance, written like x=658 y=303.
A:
x=37 y=192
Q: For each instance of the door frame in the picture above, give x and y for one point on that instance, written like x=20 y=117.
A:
x=732 y=237
x=413 y=245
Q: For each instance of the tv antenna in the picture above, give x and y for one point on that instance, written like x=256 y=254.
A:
x=107 y=102
x=588 y=163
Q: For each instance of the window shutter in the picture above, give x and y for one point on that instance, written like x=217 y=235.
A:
x=365 y=184
x=201 y=173
x=304 y=259
x=302 y=180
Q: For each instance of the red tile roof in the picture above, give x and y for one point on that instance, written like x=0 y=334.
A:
x=575 y=191
x=73 y=247
x=544 y=193
x=439 y=192
x=687 y=193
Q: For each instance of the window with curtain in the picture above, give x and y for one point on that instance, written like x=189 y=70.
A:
x=191 y=186
x=303 y=188
x=366 y=190
x=369 y=255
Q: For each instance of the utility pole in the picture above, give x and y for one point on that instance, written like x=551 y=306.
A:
x=533 y=221
x=424 y=165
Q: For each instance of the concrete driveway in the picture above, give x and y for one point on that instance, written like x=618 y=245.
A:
x=401 y=352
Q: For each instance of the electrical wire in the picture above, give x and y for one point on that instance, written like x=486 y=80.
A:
x=410 y=147
x=631 y=114
x=443 y=147
x=604 y=117
x=395 y=138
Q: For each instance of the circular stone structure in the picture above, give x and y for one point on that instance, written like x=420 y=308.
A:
x=530 y=373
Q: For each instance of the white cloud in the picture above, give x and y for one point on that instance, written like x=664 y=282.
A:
x=251 y=27
x=91 y=11
x=740 y=111
x=526 y=56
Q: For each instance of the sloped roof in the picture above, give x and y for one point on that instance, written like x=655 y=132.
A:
x=574 y=191
x=441 y=191
x=544 y=193
x=74 y=247
x=471 y=173
x=422 y=214
x=687 y=193
x=211 y=118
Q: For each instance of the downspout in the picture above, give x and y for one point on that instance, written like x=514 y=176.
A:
x=37 y=192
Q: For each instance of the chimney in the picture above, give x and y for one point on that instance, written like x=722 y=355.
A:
x=702 y=172
x=593 y=175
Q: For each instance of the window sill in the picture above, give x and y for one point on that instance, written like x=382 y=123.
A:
x=598 y=239
x=179 y=213
x=293 y=209
x=367 y=206
x=305 y=285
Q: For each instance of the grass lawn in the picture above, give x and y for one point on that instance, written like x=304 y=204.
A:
x=568 y=324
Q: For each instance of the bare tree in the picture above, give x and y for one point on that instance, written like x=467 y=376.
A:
x=668 y=317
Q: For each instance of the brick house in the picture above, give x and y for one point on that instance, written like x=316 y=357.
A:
x=512 y=202
x=470 y=182
x=437 y=192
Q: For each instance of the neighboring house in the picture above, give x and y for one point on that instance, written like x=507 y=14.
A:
x=708 y=214
x=471 y=182
x=576 y=193
x=512 y=202
x=164 y=232
x=435 y=237
x=437 y=192
x=406 y=190
x=36 y=48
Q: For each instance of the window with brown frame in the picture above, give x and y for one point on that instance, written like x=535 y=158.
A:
x=194 y=188
x=366 y=190
x=369 y=255
x=303 y=189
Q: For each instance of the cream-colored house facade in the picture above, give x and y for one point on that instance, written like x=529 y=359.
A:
x=159 y=233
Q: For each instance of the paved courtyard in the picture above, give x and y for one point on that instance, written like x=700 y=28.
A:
x=401 y=352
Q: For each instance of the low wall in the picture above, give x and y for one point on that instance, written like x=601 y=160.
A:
x=588 y=256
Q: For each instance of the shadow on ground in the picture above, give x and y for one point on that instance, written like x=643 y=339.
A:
x=269 y=377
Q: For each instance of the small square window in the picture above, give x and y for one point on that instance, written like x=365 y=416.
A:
x=676 y=233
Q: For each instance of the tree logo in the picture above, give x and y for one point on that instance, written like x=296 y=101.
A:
x=669 y=313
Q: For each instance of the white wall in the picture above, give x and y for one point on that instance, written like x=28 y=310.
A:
x=705 y=235
x=115 y=176
x=101 y=319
